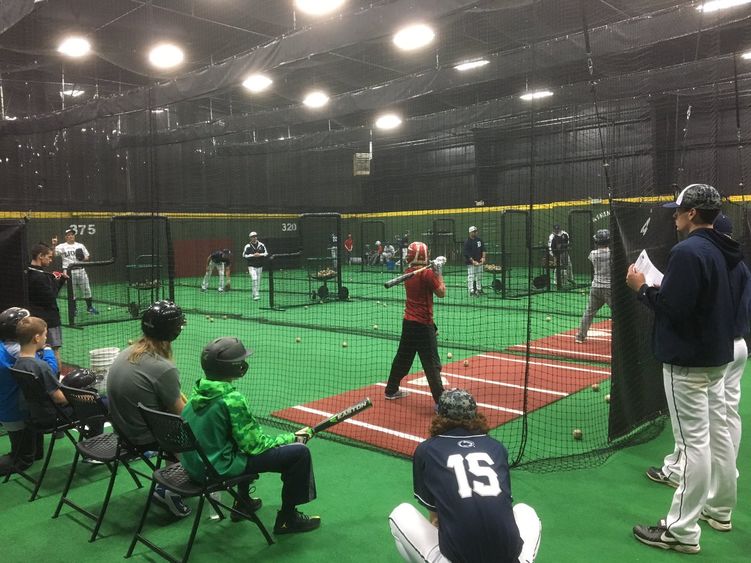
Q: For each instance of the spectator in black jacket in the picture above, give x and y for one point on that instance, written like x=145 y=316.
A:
x=43 y=289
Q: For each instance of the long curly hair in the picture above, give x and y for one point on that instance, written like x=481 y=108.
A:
x=442 y=424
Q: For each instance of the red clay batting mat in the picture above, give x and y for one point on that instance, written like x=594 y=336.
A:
x=596 y=348
x=496 y=380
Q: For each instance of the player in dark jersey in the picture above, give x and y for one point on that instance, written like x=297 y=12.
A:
x=418 y=329
x=221 y=261
x=461 y=476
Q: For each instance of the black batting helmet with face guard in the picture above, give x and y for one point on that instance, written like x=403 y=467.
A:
x=163 y=321
x=8 y=321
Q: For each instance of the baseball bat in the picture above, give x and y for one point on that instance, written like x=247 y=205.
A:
x=349 y=412
x=404 y=277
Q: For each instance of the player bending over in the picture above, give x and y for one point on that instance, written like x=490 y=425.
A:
x=461 y=475
x=221 y=261
x=220 y=417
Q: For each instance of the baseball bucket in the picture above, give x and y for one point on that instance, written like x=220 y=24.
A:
x=100 y=361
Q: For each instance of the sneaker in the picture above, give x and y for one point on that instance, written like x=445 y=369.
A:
x=480 y=292
x=655 y=474
x=580 y=339
x=203 y=290
x=659 y=536
x=90 y=461
x=249 y=506
x=256 y=298
x=220 y=289
x=93 y=311
x=295 y=522
x=719 y=525
x=400 y=394
x=173 y=502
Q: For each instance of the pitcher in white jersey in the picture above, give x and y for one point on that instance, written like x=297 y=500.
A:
x=73 y=252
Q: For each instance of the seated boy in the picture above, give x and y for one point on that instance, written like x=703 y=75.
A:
x=235 y=443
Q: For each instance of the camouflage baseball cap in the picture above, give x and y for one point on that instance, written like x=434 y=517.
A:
x=457 y=404
x=697 y=196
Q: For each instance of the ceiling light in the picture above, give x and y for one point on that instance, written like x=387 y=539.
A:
x=74 y=46
x=166 y=55
x=316 y=99
x=10 y=118
x=318 y=7
x=73 y=93
x=746 y=55
x=716 y=5
x=257 y=82
x=413 y=37
x=471 y=64
x=388 y=121
x=536 y=95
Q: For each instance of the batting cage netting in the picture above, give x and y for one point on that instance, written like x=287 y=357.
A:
x=579 y=118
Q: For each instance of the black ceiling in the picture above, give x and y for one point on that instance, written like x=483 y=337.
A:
x=212 y=31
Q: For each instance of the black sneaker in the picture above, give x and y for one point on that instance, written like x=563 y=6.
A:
x=719 y=525
x=398 y=394
x=295 y=522
x=248 y=506
x=659 y=536
x=655 y=474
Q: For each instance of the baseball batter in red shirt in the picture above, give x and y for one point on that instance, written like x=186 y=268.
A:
x=418 y=329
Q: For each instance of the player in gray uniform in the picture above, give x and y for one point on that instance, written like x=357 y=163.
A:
x=73 y=252
x=599 y=294
x=255 y=253
x=461 y=476
x=558 y=245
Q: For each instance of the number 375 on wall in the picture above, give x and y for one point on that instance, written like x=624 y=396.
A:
x=89 y=229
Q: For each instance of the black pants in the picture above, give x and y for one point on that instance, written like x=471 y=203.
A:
x=417 y=338
x=293 y=461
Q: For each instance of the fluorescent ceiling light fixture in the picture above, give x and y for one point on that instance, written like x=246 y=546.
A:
x=73 y=93
x=388 y=121
x=166 y=55
x=413 y=37
x=10 y=118
x=536 y=95
x=257 y=82
x=74 y=46
x=159 y=110
x=471 y=64
x=716 y=5
x=746 y=55
x=316 y=99
x=318 y=7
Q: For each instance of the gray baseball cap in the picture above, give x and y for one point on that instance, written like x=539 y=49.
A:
x=697 y=196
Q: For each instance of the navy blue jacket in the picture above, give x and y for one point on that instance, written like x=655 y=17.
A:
x=695 y=310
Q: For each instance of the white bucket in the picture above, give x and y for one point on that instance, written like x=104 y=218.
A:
x=100 y=361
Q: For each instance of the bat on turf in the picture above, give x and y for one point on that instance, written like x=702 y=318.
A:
x=404 y=277
x=341 y=416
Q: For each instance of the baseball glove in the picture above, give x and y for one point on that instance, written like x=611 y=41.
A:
x=80 y=256
x=493 y=268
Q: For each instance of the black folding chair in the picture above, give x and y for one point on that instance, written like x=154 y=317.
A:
x=174 y=436
x=57 y=421
x=110 y=448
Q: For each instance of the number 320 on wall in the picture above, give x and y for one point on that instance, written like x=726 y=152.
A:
x=287 y=227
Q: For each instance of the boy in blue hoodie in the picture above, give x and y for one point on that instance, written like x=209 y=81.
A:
x=235 y=443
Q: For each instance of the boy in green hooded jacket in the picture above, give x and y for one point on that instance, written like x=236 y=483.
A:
x=236 y=444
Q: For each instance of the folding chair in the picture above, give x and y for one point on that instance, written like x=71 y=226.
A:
x=174 y=436
x=37 y=398
x=110 y=448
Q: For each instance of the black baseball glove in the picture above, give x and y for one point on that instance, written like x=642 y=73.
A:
x=80 y=256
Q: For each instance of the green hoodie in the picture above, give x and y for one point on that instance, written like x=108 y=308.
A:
x=225 y=428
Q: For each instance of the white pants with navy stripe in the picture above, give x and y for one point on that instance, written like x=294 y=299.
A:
x=474 y=278
x=255 y=276
x=733 y=375
x=417 y=539
x=81 y=286
x=210 y=267
x=706 y=458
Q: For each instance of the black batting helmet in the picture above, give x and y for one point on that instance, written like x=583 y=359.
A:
x=163 y=321
x=602 y=236
x=224 y=358
x=8 y=321
x=80 y=378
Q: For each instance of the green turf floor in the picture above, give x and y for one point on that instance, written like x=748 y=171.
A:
x=587 y=514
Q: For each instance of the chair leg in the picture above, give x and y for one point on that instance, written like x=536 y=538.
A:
x=47 y=459
x=106 y=502
x=63 y=496
x=253 y=517
x=137 y=534
x=132 y=474
x=196 y=522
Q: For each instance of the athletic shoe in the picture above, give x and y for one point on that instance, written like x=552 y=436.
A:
x=719 y=525
x=249 y=506
x=400 y=394
x=220 y=289
x=203 y=290
x=655 y=474
x=93 y=311
x=480 y=292
x=580 y=339
x=659 y=536
x=173 y=502
x=295 y=522
x=256 y=298
x=91 y=461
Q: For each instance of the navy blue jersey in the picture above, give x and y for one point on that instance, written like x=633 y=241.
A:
x=464 y=477
x=473 y=250
x=219 y=256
